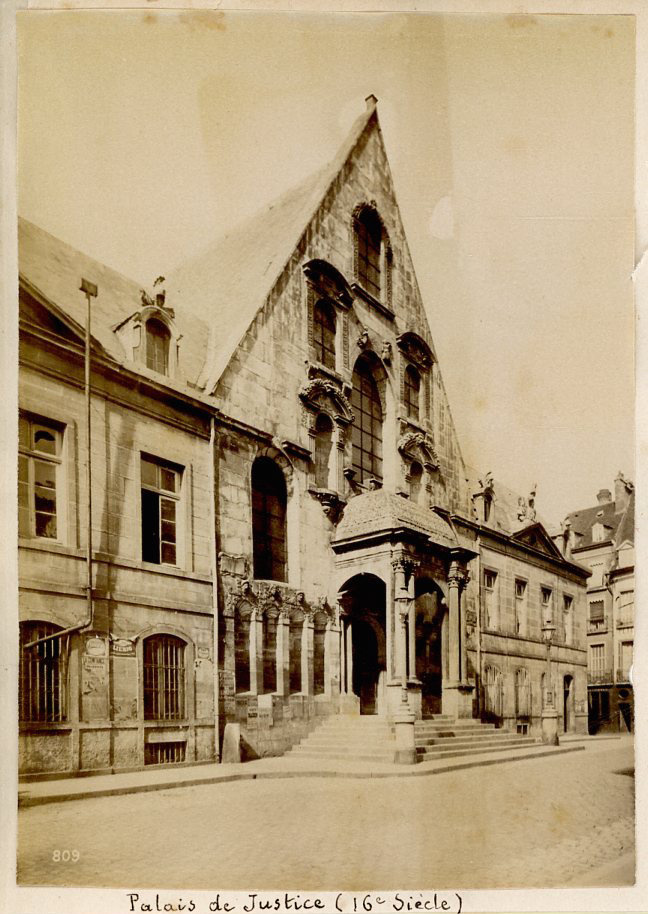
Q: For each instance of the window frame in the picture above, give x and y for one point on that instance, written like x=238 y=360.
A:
x=491 y=610
x=164 y=496
x=165 y=338
x=370 y=249
x=153 y=693
x=31 y=455
x=264 y=557
x=325 y=350
x=52 y=706
x=412 y=404
x=375 y=417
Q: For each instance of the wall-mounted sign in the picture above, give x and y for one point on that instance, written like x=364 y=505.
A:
x=122 y=646
x=95 y=647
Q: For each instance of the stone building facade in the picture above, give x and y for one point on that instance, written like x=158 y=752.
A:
x=601 y=537
x=282 y=523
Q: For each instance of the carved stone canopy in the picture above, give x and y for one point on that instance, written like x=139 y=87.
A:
x=321 y=395
x=417 y=446
x=415 y=350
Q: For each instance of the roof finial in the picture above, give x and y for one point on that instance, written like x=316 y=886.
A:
x=371 y=101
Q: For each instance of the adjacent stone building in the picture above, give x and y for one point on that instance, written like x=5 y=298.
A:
x=602 y=538
x=282 y=525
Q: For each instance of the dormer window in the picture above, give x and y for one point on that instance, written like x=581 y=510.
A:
x=158 y=339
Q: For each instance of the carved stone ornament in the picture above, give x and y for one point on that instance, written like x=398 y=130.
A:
x=331 y=502
x=363 y=340
x=417 y=446
x=320 y=395
x=386 y=354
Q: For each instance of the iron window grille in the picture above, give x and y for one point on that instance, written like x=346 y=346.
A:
x=43 y=674
x=160 y=497
x=165 y=753
x=39 y=462
x=367 y=428
x=164 y=678
x=324 y=334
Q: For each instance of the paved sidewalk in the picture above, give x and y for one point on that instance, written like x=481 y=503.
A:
x=35 y=793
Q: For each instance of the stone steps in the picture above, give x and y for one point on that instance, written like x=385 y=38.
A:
x=372 y=739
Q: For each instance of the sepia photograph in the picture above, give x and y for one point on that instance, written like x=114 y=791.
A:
x=325 y=454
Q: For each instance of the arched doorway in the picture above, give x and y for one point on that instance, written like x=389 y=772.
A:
x=364 y=656
x=431 y=644
x=568 y=704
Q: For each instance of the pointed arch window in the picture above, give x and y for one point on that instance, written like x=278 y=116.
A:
x=324 y=334
x=158 y=339
x=412 y=392
x=367 y=429
x=369 y=241
x=269 y=500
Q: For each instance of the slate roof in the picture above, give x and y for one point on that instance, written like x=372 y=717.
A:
x=378 y=511
x=230 y=281
x=54 y=269
x=582 y=522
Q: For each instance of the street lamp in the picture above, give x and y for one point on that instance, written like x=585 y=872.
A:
x=549 y=712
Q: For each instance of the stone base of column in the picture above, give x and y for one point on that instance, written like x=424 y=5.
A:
x=405 y=753
x=349 y=703
x=457 y=699
x=550 y=727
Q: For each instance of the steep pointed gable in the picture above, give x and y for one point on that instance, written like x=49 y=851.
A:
x=229 y=283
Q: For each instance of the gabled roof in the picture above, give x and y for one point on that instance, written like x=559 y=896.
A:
x=537 y=537
x=52 y=270
x=230 y=281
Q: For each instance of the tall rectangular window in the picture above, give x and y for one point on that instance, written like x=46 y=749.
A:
x=490 y=600
x=546 y=599
x=568 y=618
x=597 y=615
x=597 y=659
x=160 y=496
x=39 y=464
x=520 y=606
x=164 y=678
x=43 y=670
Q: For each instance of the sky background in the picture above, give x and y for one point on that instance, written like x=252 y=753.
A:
x=143 y=136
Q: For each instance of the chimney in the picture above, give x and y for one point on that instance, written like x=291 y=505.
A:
x=371 y=102
x=604 y=497
x=622 y=490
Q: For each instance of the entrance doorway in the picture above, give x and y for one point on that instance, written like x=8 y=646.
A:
x=568 y=704
x=363 y=672
x=431 y=644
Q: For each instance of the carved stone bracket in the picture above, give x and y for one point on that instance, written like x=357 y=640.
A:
x=320 y=395
x=332 y=503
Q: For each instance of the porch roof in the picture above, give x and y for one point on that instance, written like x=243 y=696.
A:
x=377 y=513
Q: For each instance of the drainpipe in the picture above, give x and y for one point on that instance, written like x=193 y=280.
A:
x=90 y=290
x=214 y=571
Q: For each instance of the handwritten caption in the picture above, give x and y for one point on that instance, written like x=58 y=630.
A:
x=337 y=902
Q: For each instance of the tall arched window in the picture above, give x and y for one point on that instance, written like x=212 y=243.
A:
x=164 y=678
x=369 y=239
x=323 y=445
x=493 y=697
x=242 y=622
x=268 y=520
x=324 y=334
x=412 y=392
x=367 y=428
x=157 y=346
x=43 y=669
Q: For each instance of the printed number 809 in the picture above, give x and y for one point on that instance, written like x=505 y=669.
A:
x=65 y=856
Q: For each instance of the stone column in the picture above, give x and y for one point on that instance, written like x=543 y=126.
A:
x=256 y=652
x=403 y=716
x=457 y=692
x=308 y=638
x=453 y=623
x=283 y=640
x=349 y=656
x=411 y=628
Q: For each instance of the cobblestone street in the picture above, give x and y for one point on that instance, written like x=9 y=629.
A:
x=544 y=822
